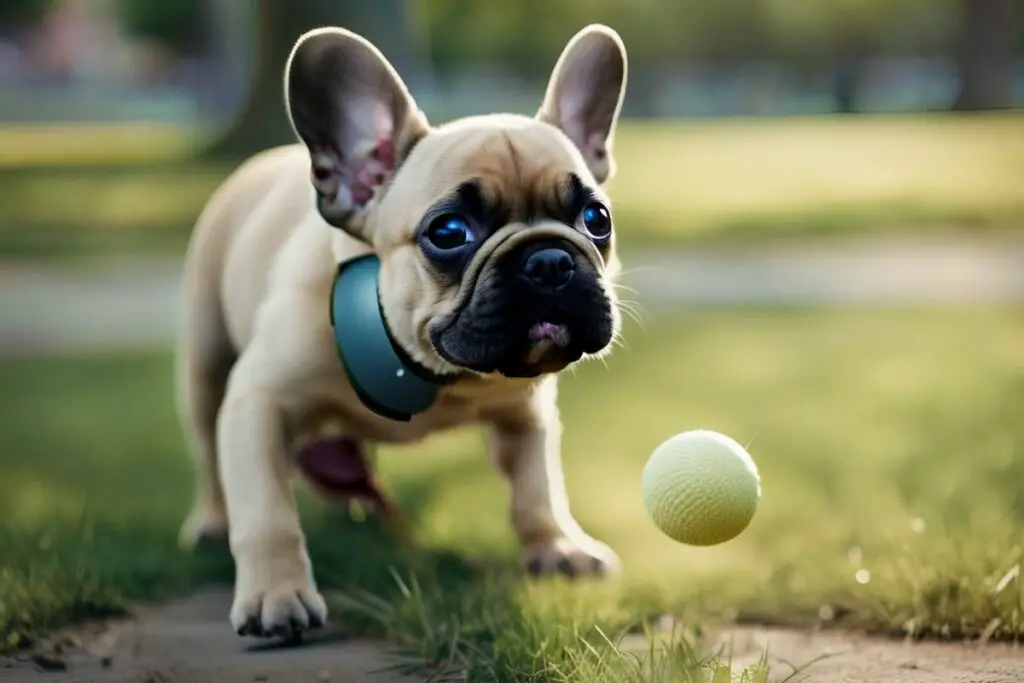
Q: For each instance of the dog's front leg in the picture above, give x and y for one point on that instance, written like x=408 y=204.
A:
x=275 y=593
x=526 y=445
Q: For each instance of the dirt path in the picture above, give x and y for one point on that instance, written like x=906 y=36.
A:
x=849 y=658
x=189 y=641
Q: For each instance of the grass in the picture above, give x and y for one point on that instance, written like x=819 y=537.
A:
x=120 y=142
x=678 y=183
x=810 y=176
x=889 y=443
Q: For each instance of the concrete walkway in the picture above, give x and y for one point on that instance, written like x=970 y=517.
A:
x=134 y=303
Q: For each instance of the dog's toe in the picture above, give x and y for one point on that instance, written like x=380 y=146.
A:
x=286 y=610
x=571 y=558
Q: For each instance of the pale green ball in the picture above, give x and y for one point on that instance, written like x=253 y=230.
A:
x=701 y=488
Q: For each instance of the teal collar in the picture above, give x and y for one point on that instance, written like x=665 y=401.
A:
x=385 y=378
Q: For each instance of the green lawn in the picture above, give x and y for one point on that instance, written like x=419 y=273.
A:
x=678 y=182
x=889 y=443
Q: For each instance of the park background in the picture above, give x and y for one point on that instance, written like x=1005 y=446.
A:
x=821 y=207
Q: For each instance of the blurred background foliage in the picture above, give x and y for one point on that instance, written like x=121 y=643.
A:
x=450 y=36
x=659 y=30
x=526 y=32
x=100 y=95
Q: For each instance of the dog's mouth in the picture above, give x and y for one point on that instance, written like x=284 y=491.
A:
x=549 y=339
x=522 y=348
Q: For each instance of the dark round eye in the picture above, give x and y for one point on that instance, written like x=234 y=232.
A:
x=597 y=221
x=449 y=232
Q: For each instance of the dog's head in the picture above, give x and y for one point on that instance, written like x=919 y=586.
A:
x=495 y=237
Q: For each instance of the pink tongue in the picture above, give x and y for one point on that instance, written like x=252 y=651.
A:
x=336 y=463
x=550 y=332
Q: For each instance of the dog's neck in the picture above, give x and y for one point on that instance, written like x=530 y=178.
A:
x=382 y=374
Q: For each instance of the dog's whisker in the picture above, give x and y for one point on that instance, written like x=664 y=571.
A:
x=625 y=288
x=628 y=308
x=634 y=317
x=631 y=306
x=631 y=302
x=647 y=267
x=617 y=341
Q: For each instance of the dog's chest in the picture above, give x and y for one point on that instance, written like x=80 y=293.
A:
x=331 y=400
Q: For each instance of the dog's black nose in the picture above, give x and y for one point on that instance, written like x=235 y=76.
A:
x=550 y=268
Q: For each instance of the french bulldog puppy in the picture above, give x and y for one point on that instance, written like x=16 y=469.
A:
x=497 y=258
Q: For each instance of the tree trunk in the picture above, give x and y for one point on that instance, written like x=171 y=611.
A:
x=986 y=55
x=264 y=122
x=847 y=76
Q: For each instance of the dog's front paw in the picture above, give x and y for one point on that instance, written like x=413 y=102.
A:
x=282 y=606
x=571 y=557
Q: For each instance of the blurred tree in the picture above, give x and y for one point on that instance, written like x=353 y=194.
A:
x=846 y=33
x=986 y=54
x=176 y=24
x=460 y=32
x=527 y=35
x=848 y=73
x=264 y=122
x=22 y=12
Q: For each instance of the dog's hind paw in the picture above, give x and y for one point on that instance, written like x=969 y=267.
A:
x=204 y=529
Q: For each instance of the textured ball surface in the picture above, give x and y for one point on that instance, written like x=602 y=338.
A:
x=701 y=488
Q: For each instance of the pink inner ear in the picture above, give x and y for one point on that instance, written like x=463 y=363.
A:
x=597 y=147
x=372 y=171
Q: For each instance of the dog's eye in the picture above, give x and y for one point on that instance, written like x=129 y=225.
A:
x=597 y=221
x=449 y=232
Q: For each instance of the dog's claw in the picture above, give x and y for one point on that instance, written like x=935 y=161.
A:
x=287 y=610
x=571 y=559
x=251 y=627
x=566 y=567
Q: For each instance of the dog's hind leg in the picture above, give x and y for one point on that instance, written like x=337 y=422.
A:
x=205 y=357
x=201 y=388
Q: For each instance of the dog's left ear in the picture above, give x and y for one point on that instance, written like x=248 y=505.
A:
x=356 y=117
x=585 y=94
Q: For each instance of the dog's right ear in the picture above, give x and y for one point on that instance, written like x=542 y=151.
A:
x=356 y=117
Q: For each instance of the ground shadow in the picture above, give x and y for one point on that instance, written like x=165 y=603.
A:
x=371 y=555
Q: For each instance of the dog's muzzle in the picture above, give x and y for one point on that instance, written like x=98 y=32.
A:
x=534 y=309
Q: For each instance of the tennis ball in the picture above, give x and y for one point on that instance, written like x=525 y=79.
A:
x=701 y=488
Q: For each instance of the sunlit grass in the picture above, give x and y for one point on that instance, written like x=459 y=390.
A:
x=109 y=200
x=679 y=182
x=889 y=444
x=779 y=177
x=120 y=142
